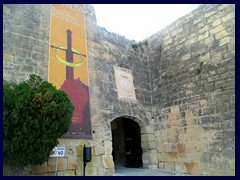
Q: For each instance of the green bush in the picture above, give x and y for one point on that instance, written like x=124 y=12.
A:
x=35 y=115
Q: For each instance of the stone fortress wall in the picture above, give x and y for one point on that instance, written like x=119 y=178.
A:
x=180 y=91
x=193 y=90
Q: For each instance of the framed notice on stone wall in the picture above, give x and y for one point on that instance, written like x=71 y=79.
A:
x=68 y=64
x=124 y=83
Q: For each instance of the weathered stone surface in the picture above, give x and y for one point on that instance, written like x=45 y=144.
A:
x=148 y=144
x=192 y=168
x=69 y=173
x=40 y=169
x=205 y=57
x=101 y=171
x=231 y=164
x=186 y=57
x=96 y=162
x=108 y=161
x=52 y=164
x=72 y=163
x=224 y=41
x=181 y=148
x=90 y=171
x=79 y=151
x=146 y=130
x=97 y=129
x=99 y=149
x=153 y=166
x=162 y=157
x=8 y=57
x=170 y=147
x=150 y=157
x=161 y=165
x=26 y=38
x=148 y=137
x=169 y=166
x=183 y=80
x=180 y=167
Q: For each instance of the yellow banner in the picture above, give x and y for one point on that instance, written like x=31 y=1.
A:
x=68 y=67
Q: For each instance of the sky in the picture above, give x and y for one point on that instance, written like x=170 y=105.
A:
x=139 y=21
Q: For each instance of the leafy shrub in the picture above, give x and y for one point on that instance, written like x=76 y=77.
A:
x=35 y=115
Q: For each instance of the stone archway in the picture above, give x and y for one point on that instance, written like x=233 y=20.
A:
x=133 y=143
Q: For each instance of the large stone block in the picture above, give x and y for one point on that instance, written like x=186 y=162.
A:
x=217 y=29
x=147 y=137
x=231 y=164
x=180 y=167
x=148 y=145
x=69 y=142
x=186 y=57
x=160 y=146
x=146 y=130
x=161 y=165
x=110 y=171
x=91 y=171
x=108 y=161
x=149 y=158
x=190 y=118
x=153 y=166
x=192 y=168
x=108 y=143
x=96 y=162
x=97 y=129
x=101 y=171
x=168 y=41
x=228 y=17
x=181 y=148
x=108 y=150
x=52 y=164
x=99 y=149
x=40 y=169
x=171 y=156
x=162 y=157
x=169 y=166
x=175 y=109
x=224 y=41
x=203 y=35
x=194 y=155
x=72 y=163
x=209 y=14
x=205 y=28
x=79 y=151
x=204 y=57
x=216 y=22
x=179 y=47
x=8 y=57
x=169 y=147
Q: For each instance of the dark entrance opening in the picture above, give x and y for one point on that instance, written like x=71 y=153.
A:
x=126 y=139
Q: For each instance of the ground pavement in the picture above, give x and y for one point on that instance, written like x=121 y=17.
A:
x=123 y=171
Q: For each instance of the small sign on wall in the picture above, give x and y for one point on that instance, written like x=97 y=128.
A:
x=124 y=83
x=58 y=152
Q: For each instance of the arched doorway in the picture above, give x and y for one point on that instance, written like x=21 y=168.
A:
x=126 y=138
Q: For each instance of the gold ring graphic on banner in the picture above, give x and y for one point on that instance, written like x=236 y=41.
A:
x=65 y=62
